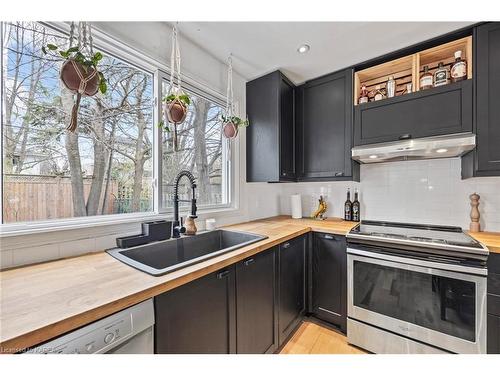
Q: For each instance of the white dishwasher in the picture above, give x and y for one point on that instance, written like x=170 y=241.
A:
x=130 y=331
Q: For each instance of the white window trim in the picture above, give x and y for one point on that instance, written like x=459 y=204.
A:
x=160 y=70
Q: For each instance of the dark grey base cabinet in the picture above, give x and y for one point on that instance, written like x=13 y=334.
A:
x=292 y=286
x=324 y=129
x=198 y=317
x=329 y=279
x=485 y=159
x=256 y=314
x=493 y=322
x=437 y=111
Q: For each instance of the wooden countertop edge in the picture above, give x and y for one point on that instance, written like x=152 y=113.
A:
x=51 y=331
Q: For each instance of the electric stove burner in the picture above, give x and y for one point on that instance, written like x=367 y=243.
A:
x=416 y=235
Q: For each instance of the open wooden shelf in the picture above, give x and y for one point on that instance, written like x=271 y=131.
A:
x=408 y=69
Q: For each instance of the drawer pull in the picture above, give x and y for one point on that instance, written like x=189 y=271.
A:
x=248 y=262
x=328 y=237
x=286 y=245
x=222 y=274
x=405 y=136
x=339 y=174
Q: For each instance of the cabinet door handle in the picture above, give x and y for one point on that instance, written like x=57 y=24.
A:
x=286 y=245
x=339 y=174
x=248 y=262
x=328 y=237
x=405 y=136
x=222 y=274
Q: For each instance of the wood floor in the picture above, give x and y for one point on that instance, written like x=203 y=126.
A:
x=311 y=338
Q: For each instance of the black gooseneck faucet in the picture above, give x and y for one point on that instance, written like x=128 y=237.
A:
x=177 y=227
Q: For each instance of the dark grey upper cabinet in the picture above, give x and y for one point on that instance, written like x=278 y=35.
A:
x=292 y=286
x=324 y=128
x=270 y=137
x=485 y=159
x=438 y=111
x=329 y=274
x=198 y=317
x=255 y=304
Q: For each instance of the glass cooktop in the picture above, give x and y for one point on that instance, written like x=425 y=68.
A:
x=418 y=234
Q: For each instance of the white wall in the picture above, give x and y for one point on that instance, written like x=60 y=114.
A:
x=429 y=191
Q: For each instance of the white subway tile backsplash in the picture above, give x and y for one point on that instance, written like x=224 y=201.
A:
x=425 y=191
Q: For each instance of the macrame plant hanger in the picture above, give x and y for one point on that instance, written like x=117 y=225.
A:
x=85 y=46
x=175 y=84
x=229 y=111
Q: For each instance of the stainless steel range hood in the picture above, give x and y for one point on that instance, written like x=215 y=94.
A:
x=444 y=146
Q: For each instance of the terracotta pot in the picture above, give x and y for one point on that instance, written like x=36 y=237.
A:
x=71 y=79
x=176 y=111
x=230 y=130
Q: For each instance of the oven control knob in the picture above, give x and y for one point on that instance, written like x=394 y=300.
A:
x=89 y=347
x=109 y=337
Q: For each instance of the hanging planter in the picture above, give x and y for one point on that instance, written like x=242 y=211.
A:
x=230 y=122
x=176 y=102
x=79 y=72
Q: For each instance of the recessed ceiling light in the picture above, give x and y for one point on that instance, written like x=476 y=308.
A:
x=303 y=48
x=441 y=150
x=373 y=156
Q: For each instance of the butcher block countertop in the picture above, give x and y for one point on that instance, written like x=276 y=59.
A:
x=40 y=302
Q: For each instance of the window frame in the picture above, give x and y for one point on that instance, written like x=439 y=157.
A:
x=159 y=72
x=227 y=180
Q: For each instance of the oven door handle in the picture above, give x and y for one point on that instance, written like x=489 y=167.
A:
x=418 y=262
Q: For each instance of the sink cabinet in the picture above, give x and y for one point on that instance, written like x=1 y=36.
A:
x=198 y=317
x=329 y=276
x=250 y=307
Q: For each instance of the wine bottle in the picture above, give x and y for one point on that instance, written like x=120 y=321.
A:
x=426 y=79
x=348 y=206
x=355 y=207
x=458 y=70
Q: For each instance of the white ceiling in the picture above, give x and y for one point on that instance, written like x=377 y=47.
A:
x=261 y=47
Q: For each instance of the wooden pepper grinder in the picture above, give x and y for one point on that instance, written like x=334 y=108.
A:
x=190 y=226
x=474 y=213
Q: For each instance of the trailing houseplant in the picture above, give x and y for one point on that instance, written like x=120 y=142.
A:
x=230 y=125
x=176 y=107
x=79 y=72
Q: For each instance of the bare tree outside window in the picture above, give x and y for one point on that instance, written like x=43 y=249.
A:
x=200 y=151
x=105 y=167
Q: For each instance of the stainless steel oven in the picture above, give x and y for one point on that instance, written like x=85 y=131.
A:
x=404 y=304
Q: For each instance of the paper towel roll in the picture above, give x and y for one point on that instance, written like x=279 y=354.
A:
x=296 y=206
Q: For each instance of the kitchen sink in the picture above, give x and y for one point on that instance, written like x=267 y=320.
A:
x=161 y=257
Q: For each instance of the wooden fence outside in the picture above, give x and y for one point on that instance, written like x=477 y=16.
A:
x=35 y=197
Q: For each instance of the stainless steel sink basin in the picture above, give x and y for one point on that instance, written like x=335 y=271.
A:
x=159 y=258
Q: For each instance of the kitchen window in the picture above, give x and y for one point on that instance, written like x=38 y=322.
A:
x=114 y=150
x=200 y=150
